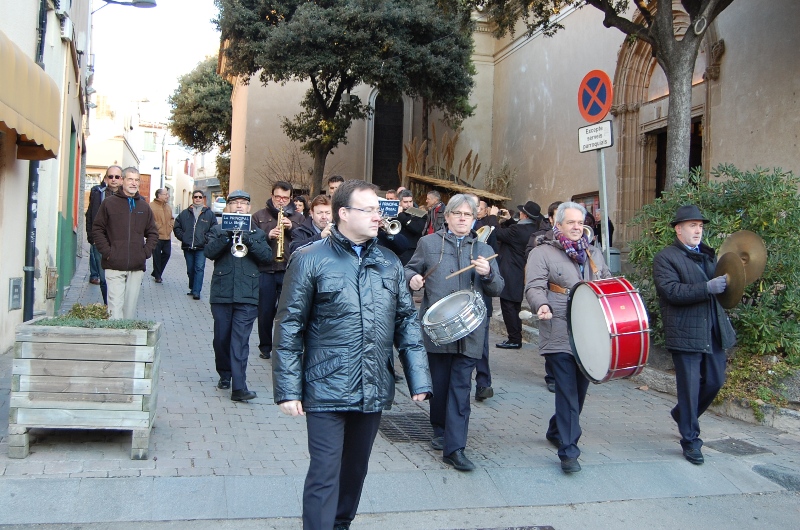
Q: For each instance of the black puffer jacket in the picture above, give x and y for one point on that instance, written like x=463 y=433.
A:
x=191 y=230
x=338 y=317
x=687 y=308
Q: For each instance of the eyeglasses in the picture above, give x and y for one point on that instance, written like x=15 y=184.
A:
x=459 y=215
x=368 y=211
x=114 y=177
x=280 y=198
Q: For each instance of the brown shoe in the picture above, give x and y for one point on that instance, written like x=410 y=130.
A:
x=95 y=281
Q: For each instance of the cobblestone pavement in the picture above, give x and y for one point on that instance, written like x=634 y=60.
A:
x=628 y=436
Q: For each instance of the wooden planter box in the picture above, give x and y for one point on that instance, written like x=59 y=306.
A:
x=83 y=378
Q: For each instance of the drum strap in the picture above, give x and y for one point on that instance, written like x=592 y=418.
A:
x=558 y=289
x=595 y=270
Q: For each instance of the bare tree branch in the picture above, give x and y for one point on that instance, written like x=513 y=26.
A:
x=612 y=19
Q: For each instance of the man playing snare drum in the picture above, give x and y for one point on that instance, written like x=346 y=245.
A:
x=437 y=256
x=553 y=268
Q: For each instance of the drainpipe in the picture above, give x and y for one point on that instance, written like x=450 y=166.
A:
x=33 y=191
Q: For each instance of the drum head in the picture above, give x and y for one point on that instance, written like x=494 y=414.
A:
x=589 y=332
x=449 y=307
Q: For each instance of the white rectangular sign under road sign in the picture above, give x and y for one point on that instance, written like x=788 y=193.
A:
x=595 y=136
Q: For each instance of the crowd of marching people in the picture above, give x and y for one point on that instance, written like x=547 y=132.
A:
x=339 y=292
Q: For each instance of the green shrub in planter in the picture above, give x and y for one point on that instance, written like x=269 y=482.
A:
x=766 y=322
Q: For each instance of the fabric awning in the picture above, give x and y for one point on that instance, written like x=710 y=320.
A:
x=30 y=103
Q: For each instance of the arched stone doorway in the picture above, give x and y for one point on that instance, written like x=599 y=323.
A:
x=640 y=115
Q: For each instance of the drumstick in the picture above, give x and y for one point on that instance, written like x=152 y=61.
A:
x=468 y=267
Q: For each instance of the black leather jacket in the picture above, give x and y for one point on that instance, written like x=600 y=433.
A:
x=235 y=280
x=339 y=316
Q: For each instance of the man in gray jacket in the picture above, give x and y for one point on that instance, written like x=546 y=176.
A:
x=436 y=257
x=553 y=269
x=345 y=305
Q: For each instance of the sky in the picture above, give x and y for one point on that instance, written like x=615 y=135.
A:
x=140 y=53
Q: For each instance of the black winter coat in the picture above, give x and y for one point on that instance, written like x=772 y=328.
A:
x=191 y=230
x=338 y=317
x=304 y=234
x=235 y=280
x=688 y=310
x=512 y=258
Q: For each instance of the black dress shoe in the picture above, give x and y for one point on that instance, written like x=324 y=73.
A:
x=458 y=460
x=506 y=345
x=483 y=392
x=159 y=280
x=196 y=296
x=437 y=442
x=224 y=384
x=554 y=441
x=675 y=415
x=551 y=387
x=243 y=395
x=190 y=293
x=264 y=355
x=570 y=465
x=695 y=456
x=398 y=378
x=341 y=526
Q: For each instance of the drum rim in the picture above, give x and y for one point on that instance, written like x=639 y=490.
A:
x=470 y=292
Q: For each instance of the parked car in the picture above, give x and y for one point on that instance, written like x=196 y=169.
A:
x=218 y=205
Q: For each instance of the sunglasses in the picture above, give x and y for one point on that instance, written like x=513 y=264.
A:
x=198 y=197
x=114 y=177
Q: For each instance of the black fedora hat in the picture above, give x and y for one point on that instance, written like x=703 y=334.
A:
x=531 y=209
x=688 y=212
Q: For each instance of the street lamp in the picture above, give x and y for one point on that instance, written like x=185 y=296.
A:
x=134 y=3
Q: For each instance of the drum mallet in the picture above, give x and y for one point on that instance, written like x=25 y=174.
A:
x=468 y=267
x=527 y=315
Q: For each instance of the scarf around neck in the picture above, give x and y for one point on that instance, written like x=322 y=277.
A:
x=576 y=250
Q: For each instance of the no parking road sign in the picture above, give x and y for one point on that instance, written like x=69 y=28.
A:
x=594 y=96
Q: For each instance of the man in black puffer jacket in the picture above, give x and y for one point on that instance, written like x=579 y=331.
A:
x=697 y=330
x=345 y=305
x=191 y=228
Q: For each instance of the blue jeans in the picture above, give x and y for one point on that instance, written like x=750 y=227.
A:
x=195 y=269
x=101 y=274
x=94 y=264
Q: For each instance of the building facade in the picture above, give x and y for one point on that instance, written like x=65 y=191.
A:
x=745 y=103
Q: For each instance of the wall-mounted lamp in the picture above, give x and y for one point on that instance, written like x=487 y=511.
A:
x=134 y=3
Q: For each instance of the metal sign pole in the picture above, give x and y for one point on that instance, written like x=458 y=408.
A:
x=601 y=171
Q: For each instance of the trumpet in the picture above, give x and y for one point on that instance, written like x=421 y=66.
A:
x=390 y=226
x=238 y=249
x=588 y=232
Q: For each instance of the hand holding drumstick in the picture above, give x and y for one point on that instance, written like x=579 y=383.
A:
x=480 y=264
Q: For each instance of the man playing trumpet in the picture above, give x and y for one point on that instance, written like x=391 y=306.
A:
x=553 y=269
x=234 y=296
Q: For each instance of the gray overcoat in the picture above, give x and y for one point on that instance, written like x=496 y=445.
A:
x=443 y=246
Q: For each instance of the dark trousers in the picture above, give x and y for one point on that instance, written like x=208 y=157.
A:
x=339 y=444
x=451 y=375
x=233 y=324
x=699 y=377
x=270 y=285
x=483 y=375
x=101 y=275
x=160 y=257
x=511 y=318
x=195 y=269
x=548 y=375
x=94 y=264
x=571 y=387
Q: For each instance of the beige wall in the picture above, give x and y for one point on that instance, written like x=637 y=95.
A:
x=755 y=105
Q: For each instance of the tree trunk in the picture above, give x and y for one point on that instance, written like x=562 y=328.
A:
x=320 y=156
x=425 y=117
x=679 y=120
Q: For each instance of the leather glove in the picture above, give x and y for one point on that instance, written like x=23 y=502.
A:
x=717 y=285
x=246 y=239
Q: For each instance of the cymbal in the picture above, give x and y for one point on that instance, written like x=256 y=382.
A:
x=751 y=249
x=731 y=265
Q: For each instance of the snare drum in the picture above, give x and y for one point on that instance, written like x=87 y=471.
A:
x=454 y=317
x=608 y=329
